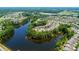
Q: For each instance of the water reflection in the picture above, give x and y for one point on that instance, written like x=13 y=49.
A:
x=7 y=36
x=19 y=42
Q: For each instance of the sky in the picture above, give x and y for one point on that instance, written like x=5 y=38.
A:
x=39 y=3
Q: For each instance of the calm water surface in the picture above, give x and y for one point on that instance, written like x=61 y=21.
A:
x=18 y=41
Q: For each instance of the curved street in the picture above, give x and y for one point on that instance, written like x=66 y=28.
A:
x=71 y=44
x=3 y=48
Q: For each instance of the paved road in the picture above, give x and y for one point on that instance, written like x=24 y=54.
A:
x=49 y=26
x=70 y=46
x=3 y=48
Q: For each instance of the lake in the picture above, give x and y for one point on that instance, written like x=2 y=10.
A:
x=19 y=42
